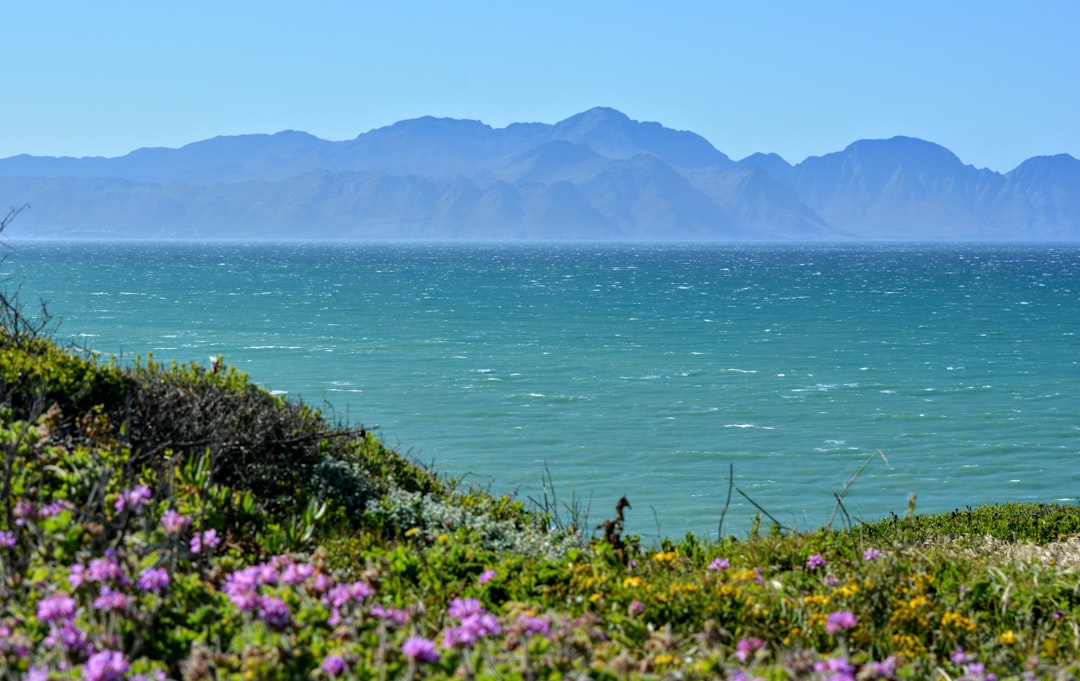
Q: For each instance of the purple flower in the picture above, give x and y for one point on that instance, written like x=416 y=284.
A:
x=133 y=498
x=636 y=607
x=296 y=574
x=464 y=607
x=7 y=539
x=23 y=510
x=107 y=665
x=841 y=620
x=871 y=554
x=486 y=576
x=838 y=667
x=105 y=570
x=343 y=593
x=393 y=615
x=718 y=564
x=885 y=669
x=747 y=646
x=154 y=579
x=36 y=673
x=533 y=625
x=333 y=665
x=74 y=640
x=60 y=607
x=173 y=523
x=110 y=600
x=208 y=538
x=275 y=612
x=419 y=649
x=815 y=561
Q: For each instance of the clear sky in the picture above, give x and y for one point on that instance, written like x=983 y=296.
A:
x=995 y=82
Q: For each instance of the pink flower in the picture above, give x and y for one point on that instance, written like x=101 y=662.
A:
x=110 y=600
x=173 y=523
x=60 y=607
x=719 y=564
x=133 y=498
x=208 y=538
x=154 y=579
x=839 y=621
x=745 y=647
x=333 y=665
x=815 y=561
x=7 y=539
x=464 y=607
x=108 y=665
x=419 y=649
x=871 y=554
x=636 y=607
x=486 y=576
x=532 y=625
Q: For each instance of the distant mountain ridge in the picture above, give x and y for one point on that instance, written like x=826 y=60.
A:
x=598 y=175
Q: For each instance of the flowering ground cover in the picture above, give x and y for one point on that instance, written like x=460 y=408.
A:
x=176 y=522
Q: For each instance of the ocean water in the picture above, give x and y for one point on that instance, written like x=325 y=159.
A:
x=650 y=371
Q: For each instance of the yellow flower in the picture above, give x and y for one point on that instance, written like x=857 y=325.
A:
x=631 y=582
x=594 y=598
x=664 y=659
x=957 y=620
x=1007 y=638
x=665 y=556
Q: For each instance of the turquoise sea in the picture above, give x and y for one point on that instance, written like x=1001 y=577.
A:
x=649 y=371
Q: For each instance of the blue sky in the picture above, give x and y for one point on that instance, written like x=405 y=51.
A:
x=996 y=82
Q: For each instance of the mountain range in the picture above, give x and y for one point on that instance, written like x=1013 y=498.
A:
x=598 y=175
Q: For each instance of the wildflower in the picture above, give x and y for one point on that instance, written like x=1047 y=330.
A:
x=871 y=554
x=464 y=607
x=486 y=576
x=133 y=498
x=22 y=511
x=838 y=667
x=886 y=669
x=105 y=570
x=533 y=625
x=333 y=665
x=154 y=579
x=296 y=574
x=110 y=600
x=393 y=615
x=7 y=539
x=815 y=561
x=718 y=564
x=419 y=649
x=1007 y=637
x=56 y=608
x=745 y=647
x=208 y=538
x=76 y=575
x=341 y=594
x=105 y=666
x=36 y=673
x=74 y=640
x=275 y=612
x=636 y=607
x=173 y=523
x=839 y=621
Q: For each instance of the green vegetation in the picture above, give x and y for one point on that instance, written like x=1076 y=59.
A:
x=176 y=521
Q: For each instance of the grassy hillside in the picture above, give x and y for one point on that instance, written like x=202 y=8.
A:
x=177 y=521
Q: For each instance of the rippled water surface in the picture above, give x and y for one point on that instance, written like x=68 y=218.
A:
x=649 y=371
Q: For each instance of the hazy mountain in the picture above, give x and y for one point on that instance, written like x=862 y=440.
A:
x=598 y=175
